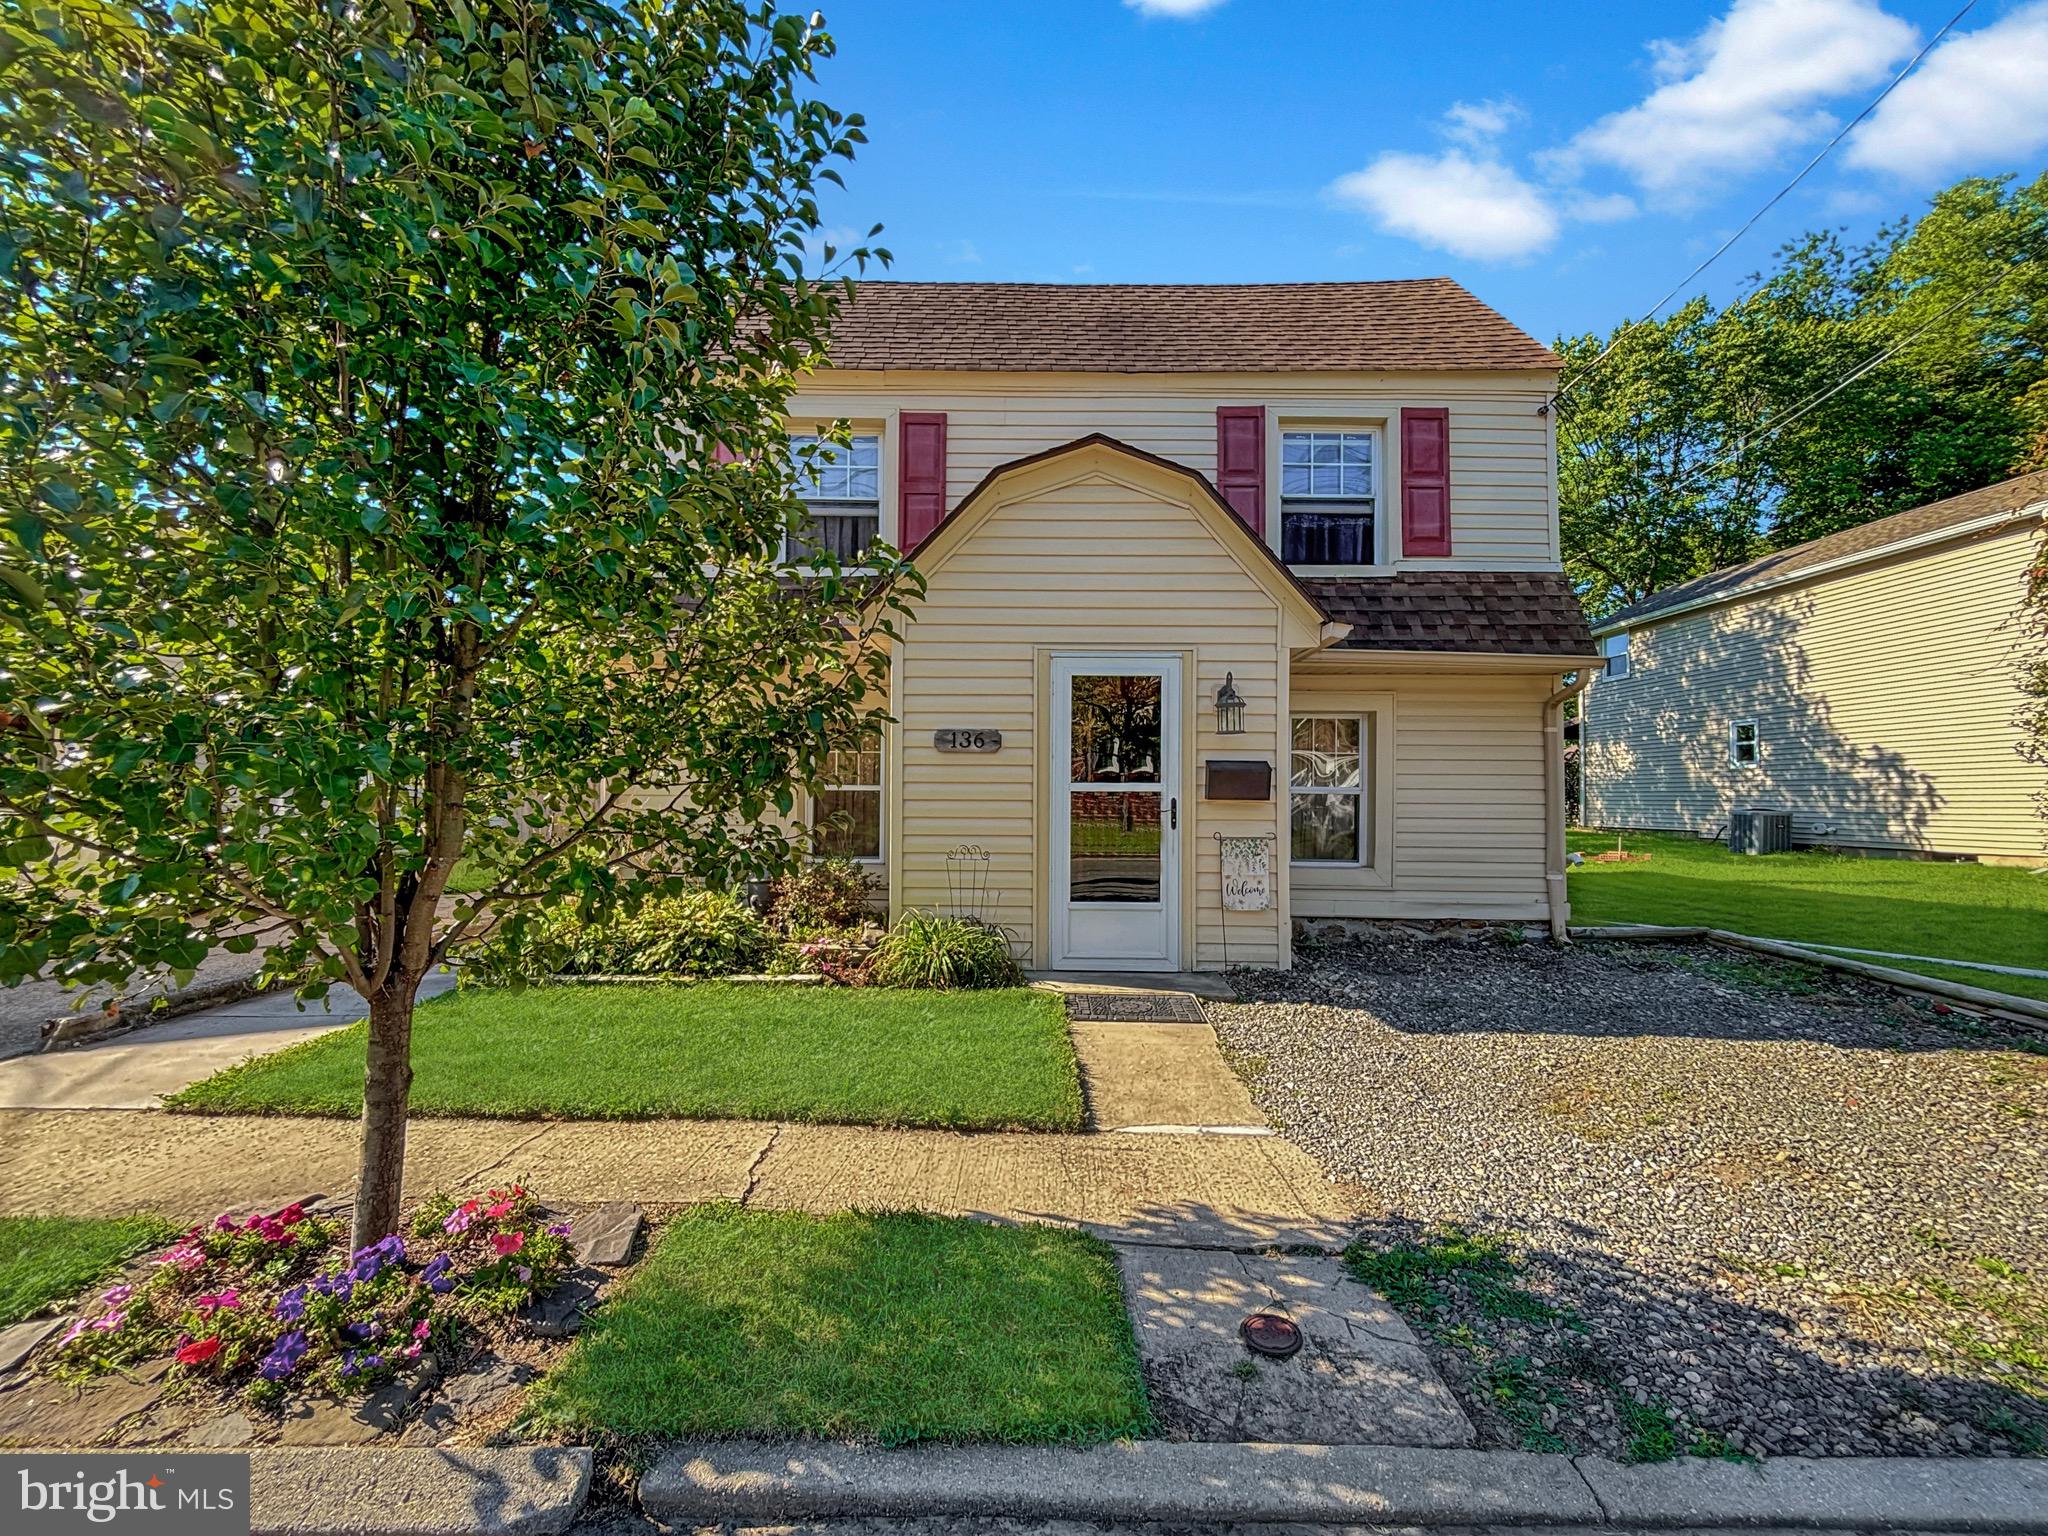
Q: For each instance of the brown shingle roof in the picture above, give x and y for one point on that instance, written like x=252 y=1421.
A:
x=1428 y=323
x=1517 y=613
x=2008 y=496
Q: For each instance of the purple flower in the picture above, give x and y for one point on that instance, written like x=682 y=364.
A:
x=117 y=1294
x=459 y=1219
x=559 y=1228
x=367 y=1263
x=284 y=1356
x=436 y=1275
x=291 y=1306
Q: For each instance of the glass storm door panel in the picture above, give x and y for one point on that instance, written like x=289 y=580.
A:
x=1116 y=812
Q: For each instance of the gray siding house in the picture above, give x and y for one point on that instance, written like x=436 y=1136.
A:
x=1864 y=682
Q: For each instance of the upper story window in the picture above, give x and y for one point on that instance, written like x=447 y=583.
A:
x=1615 y=649
x=1329 y=498
x=842 y=486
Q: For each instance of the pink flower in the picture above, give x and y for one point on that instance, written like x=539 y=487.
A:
x=500 y=1211
x=507 y=1243
x=223 y=1222
x=73 y=1334
x=107 y=1322
x=198 y=1351
x=460 y=1218
x=183 y=1256
x=217 y=1301
x=117 y=1294
x=291 y=1215
x=422 y=1329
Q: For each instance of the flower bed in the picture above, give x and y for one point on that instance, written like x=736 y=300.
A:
x=275 y=1304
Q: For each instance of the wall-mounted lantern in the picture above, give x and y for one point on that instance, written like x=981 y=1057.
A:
x=1229 y=708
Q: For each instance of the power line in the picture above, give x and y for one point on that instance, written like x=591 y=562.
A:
x=1776 y=198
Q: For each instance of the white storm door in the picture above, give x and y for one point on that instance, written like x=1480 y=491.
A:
x=1116 y=844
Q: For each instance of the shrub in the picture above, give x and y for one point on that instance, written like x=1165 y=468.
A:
x=705 y=933
x=822 y=897
x=943 y=952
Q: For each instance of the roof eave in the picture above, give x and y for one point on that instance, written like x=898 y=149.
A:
x=2032 y=512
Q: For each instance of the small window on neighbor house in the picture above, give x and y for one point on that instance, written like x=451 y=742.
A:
x=1615 y=649
x=1326 y=790
x=1328 y=498
x=846 y=810
x=1742 y=743
x=842 y=486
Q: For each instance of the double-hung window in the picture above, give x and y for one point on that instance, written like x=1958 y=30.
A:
x=1329 y=498
x=1743 y=742
x=846 y=809
x=841 y=484
x=1615 y=649
x=1326 y=790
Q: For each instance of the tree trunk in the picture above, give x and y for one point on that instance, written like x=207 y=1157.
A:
x=387 y=1087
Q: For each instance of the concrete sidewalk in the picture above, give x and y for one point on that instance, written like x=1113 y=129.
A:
x=1231 y=1191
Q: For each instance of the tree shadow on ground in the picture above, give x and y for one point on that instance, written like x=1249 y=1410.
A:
x=1567 y=1345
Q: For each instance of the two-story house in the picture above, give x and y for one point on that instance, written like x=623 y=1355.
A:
x=1244 y=607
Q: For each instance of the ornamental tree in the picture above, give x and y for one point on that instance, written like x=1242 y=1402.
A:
x=392 y=465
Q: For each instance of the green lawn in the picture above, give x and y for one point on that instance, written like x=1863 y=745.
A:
x=898 y=1327
x=712 y=1050
x=47 y=1258
x=1951 y=910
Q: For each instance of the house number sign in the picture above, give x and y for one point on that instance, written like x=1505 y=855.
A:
x=962 y=739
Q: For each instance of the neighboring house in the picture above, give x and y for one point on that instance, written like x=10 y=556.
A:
x=1243 y=575
x=1864 y=682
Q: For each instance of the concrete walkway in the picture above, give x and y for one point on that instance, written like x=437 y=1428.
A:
x=1233 y=1191
x=136 y=1070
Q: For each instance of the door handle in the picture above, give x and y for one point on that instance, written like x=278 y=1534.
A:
x=1173 y=813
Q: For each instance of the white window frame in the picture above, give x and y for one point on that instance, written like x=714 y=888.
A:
x=881 y=853
x=1376 y=435
x=857 y=430
x=1756 y=743
x=1360 y=792
x=1614 y=648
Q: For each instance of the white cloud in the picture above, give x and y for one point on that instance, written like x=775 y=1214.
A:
x=1592 y=208
x=1467 y=204
x=1180 y=9
x=1479 y=122
x=1978 y=102
x=1745 y=88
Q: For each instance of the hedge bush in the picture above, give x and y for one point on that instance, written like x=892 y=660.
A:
x=706 y=933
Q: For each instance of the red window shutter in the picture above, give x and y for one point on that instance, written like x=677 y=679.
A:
x=1241 y=462
x=920 y=475
x=1425 y=481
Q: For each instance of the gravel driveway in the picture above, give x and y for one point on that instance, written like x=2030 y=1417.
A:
x=1748 y=1208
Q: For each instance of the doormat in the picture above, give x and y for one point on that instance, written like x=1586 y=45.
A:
x=1134 y=1008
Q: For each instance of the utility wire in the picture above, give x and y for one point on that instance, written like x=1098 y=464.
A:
x=1776 y=198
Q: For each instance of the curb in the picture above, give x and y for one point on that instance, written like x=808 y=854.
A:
x=1362 y=1484
x=69 y=1029
x=522 y=1491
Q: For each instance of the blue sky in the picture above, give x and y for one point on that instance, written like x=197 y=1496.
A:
x=1568 y=162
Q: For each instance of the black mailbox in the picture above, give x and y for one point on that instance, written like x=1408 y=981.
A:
x=1238 y=778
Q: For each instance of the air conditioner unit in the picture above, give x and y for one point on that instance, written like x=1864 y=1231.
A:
x=1758 y=830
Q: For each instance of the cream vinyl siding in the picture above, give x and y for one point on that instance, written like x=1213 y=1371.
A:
x=1466 y=793
x=1103 y=555
x=1502 y=489
x=1884 y=699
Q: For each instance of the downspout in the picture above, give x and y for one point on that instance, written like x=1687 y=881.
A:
x=1553 y=800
